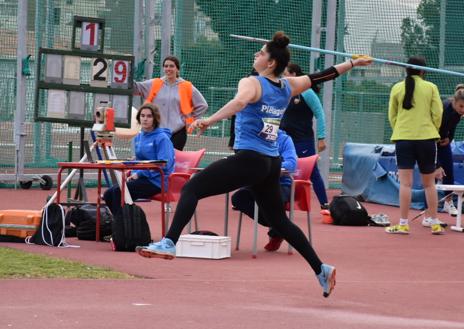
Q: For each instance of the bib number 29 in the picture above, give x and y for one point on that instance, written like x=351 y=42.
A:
x=270 y=130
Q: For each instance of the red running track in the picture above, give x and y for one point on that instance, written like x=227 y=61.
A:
x=383 y=281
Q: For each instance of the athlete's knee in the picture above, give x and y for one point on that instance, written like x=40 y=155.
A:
x=240 y=197
x=190 y=188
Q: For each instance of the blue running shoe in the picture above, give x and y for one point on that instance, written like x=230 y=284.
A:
x=163 y=249
x=327 y=279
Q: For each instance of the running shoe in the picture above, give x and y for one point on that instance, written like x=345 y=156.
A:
x=273 y=244
x=448 y=206
x=327 y=279
x=398 y=229
x=163 y=249
x=427 y=222
x=437 y=229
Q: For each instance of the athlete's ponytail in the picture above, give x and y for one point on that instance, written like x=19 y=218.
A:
x=278 y=50
x=409 y=82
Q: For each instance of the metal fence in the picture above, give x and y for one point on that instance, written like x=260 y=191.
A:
x=198 y=32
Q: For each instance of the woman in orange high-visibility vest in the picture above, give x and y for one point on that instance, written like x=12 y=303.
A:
x=180 y=103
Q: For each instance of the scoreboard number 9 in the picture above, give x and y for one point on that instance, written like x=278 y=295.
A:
x=120 y=76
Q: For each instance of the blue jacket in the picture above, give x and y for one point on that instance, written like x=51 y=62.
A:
x=288 y=154
x=155 y=145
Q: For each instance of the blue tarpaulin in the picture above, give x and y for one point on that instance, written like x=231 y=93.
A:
x=369 y=171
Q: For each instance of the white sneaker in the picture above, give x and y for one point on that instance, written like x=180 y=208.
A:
x=448 y=206
x=427 y=222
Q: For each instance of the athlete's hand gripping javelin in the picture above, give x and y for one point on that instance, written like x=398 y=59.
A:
x=201 y=125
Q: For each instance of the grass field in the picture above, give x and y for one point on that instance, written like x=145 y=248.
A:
x=15 y=264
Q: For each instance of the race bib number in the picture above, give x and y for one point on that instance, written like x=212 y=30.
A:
x=270 y=129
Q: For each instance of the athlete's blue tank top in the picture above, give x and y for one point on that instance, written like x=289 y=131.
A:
x=256 y=126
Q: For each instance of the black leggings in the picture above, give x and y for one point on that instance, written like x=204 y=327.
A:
x=245 y=168
x=179 y=139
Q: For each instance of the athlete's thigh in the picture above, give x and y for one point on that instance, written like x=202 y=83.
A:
x=268 y=195
x=239 y=170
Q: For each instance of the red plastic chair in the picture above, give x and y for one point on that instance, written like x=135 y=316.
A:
x=302 y=190
x=184 y=168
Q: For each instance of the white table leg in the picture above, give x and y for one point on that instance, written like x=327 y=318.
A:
x=458 y=226
x=255 y=231
x=226 y=215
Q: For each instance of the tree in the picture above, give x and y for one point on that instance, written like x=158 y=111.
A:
x=421 y=36
x=216 y=66
x=258 y=19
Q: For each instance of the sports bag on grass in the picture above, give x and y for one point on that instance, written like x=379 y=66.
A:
x=130 y=229
x=346 y=210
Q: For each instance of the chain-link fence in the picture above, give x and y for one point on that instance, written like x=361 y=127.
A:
x=199 y=34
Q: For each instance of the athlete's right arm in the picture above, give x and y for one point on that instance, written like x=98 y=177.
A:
x=249 y=91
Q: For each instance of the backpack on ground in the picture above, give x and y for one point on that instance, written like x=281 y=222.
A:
x=346 y=210
x=51 y=229
x=130 y=229
x=84 y=220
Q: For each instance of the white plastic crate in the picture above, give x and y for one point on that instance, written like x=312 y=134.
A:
x=203 y=246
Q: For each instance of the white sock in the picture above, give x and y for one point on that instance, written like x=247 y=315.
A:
x=434 y=221
x=404 y=221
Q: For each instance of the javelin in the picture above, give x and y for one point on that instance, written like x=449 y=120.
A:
x=354 y=56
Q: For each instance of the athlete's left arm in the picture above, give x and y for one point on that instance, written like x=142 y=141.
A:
x=436 y=107
x=315 y=105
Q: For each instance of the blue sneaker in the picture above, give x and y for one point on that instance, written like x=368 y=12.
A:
x=163 y=249
x=327 y=279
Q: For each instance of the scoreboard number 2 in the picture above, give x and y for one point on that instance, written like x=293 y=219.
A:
x=99 y=73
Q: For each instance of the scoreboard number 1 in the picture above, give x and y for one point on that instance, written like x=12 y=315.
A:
x=89 y=36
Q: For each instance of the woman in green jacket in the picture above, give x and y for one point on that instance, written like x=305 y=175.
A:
x=415 y=113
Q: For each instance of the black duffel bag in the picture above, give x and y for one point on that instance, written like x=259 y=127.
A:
x=84 y=219
x=346 y=210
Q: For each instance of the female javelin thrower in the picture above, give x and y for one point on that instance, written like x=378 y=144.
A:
x=259 y=105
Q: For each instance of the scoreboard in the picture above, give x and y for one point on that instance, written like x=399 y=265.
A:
x=72 y=83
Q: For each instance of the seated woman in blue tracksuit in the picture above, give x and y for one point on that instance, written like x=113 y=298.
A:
x=151 y=143
x=244 y=201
